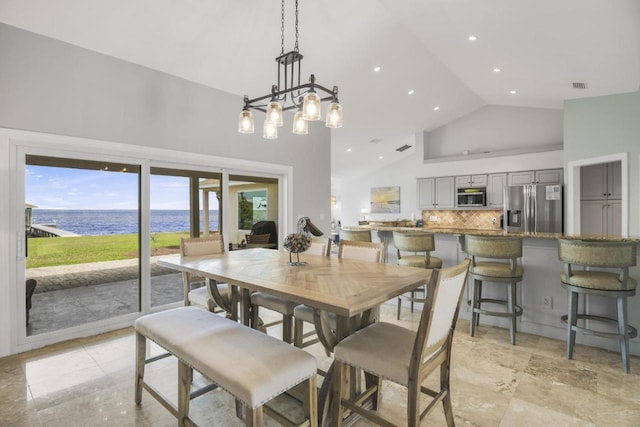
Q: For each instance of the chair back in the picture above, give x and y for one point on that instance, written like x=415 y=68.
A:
x=355 y=235
x=597 y=254
x=493 y=247
x=439 y=316
x=362 y=251
x=320 y=247
x=414 y=242
x=197 y=246
x=258 y=238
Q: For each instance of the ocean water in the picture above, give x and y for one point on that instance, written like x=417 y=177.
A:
x=98 y=222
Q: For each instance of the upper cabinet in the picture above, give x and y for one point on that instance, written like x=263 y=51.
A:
x=495 y=190
x=545 y=176
x=466 y=181
x=601 y=181
x=435 y=193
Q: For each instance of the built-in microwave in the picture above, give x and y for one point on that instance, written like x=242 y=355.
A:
x=471 y=197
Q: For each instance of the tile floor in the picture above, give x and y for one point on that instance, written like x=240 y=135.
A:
x=89 y=382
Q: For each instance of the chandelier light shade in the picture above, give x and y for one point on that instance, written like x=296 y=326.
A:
x=291 y=94
x=311 y=107
x=334 y=116
x=245 y=122
x=300 y=125
x=269 y=131
x=274 y=114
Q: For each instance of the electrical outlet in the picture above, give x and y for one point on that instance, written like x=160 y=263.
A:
x=547 y=302
x=493 y=220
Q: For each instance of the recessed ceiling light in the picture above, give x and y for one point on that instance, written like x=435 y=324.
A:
x=411 y=92
x=380 y=157
x=496 y=70
x=472 y=38
x=436 y=108
x=512 y=92
x=376 y=69
x=348 y=150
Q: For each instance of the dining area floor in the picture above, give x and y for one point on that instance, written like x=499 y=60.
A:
x=90 y=382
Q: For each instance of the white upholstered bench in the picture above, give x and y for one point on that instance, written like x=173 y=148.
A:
x=248 y=364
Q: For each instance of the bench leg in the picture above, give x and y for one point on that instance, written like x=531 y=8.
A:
x=255 y=417
x=311 y=401
x=141 y=355
x=185 y=377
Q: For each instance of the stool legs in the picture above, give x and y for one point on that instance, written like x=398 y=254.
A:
x=475 y=305
x=511 y=304
x=623 y=330
x=572 y=320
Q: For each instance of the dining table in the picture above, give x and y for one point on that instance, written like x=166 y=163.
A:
x=351 y=289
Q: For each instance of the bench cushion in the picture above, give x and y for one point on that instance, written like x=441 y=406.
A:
x=249 y=364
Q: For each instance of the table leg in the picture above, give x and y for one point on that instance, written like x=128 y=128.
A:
x=245 y=307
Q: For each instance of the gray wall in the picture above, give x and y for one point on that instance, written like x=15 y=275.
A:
x=604 y=125
x=54 y=87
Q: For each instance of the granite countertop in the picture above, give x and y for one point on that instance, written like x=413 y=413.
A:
x=500 y=232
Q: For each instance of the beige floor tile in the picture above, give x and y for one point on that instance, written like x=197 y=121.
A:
x=525 y=414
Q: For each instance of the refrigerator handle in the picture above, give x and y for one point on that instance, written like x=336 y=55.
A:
x=525 y=213
x=532 y=215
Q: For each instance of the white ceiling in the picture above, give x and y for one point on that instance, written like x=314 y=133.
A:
x=542 y=47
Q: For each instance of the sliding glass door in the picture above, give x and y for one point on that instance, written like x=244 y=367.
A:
x=82 y=222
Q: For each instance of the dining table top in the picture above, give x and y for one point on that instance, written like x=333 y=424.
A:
x=345 y=287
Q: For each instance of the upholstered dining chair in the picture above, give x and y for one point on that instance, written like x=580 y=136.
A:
x=617 y=284
x=358 y=235
x=347 y=249
x=203 y=292
x=285 y=308
x=414 y=250
x=402 y=356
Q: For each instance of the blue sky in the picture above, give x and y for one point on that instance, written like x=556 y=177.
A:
x=63 y=188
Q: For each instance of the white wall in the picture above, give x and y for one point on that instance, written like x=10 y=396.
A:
x=57 y=88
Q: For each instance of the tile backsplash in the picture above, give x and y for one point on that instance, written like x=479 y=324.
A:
x=462 y=219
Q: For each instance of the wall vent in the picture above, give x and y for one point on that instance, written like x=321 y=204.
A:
x=577 y=85
x=404 y=147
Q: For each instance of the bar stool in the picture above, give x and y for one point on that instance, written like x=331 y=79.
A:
x=618 y=285
x=508 y=273
x=419 y=245
x=355 y=235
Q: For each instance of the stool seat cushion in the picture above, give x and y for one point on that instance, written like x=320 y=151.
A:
x=495 y=269
x=273 y=303
x=597 y=280
x=252 y=366
x=418 y=261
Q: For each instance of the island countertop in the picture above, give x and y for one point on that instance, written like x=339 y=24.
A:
x=500 y=232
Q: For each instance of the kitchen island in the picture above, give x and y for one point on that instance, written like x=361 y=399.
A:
x=539 y=294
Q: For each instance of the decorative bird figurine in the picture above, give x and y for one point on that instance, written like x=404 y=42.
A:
x=300 y=241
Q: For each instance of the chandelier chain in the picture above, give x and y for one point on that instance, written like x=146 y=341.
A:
x=296 y=45
x=282 y=28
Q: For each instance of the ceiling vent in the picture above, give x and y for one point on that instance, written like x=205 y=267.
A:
x=579 y=85
x=375 y=140
x=404 y=147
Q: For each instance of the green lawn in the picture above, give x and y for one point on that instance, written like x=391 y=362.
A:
x=50 y=251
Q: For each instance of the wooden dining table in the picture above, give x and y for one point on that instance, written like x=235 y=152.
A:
x=351 y=289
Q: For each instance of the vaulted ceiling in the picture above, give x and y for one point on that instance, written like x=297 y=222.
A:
x=541 y=47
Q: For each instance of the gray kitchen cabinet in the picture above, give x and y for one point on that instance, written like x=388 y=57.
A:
x=495 y=190
x=544 y=176
x=466 y=181
x=435 y=193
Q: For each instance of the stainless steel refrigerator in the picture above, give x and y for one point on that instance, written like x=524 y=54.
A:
x=533 y=208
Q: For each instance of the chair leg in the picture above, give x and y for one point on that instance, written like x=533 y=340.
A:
x=371 y=381
x=185 y=378
x=511 y=296
x=338 y=388
x=413 y=298
x=624 y=332
x=572 y=320
x=446 y=400
x=413 y=404
x=287 y=328
x=298 y=333
x=399 y=307
x=141 y=355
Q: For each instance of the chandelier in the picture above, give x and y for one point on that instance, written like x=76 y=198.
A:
x=289 y=94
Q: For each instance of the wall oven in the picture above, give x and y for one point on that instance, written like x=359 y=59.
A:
x=471 y=197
